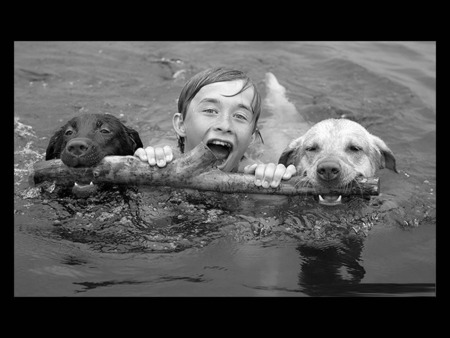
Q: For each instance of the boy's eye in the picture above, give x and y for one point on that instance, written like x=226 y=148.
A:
x=241 y=116
x=210 y=111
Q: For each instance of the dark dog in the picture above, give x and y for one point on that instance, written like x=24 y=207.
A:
x=86 y=139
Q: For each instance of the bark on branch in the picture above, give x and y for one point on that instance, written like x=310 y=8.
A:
x=194 y=170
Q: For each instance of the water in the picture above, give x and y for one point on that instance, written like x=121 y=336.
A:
x=157 y=242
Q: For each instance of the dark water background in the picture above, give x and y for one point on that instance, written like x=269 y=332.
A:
x=158 y=242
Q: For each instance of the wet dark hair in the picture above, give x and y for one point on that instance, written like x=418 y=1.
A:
x=212 y=75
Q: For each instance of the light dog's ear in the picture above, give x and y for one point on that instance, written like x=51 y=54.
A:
x=387 y=156
x=287 y=157
x=290 y=153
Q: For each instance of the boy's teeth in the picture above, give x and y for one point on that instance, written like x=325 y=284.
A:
x=221 y=149
x=220 y=143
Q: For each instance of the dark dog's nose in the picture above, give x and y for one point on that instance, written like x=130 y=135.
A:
x=77 y=147
x=328 y=170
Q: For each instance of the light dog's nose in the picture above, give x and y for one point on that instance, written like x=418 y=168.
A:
x=328 y=170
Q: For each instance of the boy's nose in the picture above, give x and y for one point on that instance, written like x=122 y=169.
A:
x=223 y=124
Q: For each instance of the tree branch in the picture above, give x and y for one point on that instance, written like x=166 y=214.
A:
x=194 y=170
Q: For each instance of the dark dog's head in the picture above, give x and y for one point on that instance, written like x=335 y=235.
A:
x=85 y=140
x=336 y=151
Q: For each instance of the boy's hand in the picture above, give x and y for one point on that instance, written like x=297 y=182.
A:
x=271 y=174
x=155 y=155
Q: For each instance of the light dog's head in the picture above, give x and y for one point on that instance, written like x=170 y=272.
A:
x=336 y=151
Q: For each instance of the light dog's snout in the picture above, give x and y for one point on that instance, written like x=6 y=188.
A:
x=328 y=170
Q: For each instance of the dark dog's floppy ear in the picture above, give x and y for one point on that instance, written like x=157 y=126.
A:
x=54 y=146
x=134 y=136
x=387 y=156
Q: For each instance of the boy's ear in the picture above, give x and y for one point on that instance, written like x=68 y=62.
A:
x=178 y=124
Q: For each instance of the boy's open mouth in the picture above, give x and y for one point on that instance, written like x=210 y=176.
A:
x=221 y=149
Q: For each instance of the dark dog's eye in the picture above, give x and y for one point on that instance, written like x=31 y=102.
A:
x=104 y=131
x=68 y=132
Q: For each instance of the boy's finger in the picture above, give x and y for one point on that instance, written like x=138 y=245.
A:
x=250 y=169
x=268 y=174
x=290 y=171
x=259 y=174
x=140 y=153
x=160 y=157
x=278 y=175
x=150 y=155
x=168 y=153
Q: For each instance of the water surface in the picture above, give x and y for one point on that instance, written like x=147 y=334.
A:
x=159 y=242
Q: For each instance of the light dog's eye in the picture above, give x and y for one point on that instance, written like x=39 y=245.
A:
x=354 y=148
x=311 y=148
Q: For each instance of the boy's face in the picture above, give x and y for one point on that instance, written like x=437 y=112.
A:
x=224 y=123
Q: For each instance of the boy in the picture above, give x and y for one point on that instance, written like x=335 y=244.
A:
x=220 y=107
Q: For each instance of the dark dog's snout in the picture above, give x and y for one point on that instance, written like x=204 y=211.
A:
x=78 y=146
x=328 y=170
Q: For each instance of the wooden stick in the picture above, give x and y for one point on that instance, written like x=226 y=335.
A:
x=194 y=170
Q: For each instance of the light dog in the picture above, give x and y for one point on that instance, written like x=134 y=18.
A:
x=336 y=151
x=333 y=152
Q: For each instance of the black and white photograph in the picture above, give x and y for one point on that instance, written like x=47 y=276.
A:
x=224 y=169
